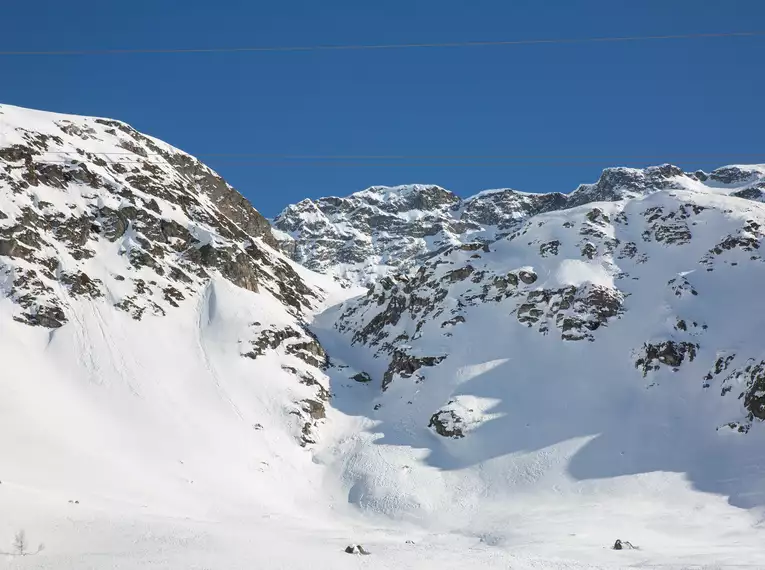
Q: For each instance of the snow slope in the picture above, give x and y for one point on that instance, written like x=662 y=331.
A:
x=156 y=366
x=598 y=371
x=177 y=393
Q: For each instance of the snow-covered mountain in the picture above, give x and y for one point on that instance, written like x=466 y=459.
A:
x=155 y=351
x=654 y=291
x=526 y=379
x=603 y=345
x=365 y=235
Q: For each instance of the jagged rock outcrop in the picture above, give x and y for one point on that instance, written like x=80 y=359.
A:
x=745 y=379
x=668 y=353
x=172 y=219
x=636 y=270
x=383 y=229
x=447 y=423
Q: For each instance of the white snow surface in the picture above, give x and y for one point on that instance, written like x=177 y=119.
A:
x=155 y=443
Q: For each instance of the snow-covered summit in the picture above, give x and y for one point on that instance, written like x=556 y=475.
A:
x=414 y=196
x=364 y=235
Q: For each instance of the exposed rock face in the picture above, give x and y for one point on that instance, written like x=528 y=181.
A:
x=639 y=275
x=447 y=423
x=735 y=175
x=381 y=229
x=576 y=311
x=746 y=379
x=171 y=218
x=476 y=309
x=668 y=353
x=405 y=365
x=398 y=227
x=92 y=211
x=619 y=183
x=362 y=377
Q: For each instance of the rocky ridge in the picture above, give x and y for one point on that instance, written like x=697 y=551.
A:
x=367 y=234
x=91 y=210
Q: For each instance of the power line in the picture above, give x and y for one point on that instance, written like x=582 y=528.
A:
x=378 y=46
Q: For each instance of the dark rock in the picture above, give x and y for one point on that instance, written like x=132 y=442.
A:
x=153 y=206
x=172 y=295
x=114 y=223
x=732 y=175
x=616 y=183
x=701 y=176
x=576 y=311
x=528 y=277
x=754 y=398
x=314 y=409
x=549 y=248
x=361 y=377
x=270 y=339
x=447 y=423
x=405 y=365
x=389 y=316
x=589 y=250
x=357 y=549
x=754 y=193
x=51 y=317
x=668 y=353
x=459 y=274
x=310 y=352
x=453 y=321
x=80 y=284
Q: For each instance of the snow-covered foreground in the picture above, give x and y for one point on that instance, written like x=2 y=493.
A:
x=151 y=431
x=543 y=499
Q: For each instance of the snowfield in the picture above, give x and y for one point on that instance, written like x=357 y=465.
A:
x=175 y=392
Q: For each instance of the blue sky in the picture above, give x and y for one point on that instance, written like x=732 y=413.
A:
x=697 y=103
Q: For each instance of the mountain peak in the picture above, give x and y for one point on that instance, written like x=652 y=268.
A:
x=403 y=225
x=408 y=197
x=76 y=190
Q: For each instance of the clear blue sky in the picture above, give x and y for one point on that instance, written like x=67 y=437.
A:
x=667 y=98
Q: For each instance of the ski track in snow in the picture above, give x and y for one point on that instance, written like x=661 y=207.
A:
x=206 y=311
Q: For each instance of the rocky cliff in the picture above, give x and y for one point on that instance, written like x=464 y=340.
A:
x=363 y=236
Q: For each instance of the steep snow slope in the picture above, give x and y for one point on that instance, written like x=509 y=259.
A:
x=157 y=372
x=369 y=233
